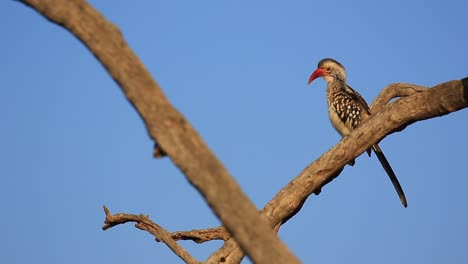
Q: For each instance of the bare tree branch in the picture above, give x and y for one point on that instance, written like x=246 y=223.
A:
x=173 y=133
x=455 y=97
x=202 y=235
x=144 y=223
x=440 y=100
x=393 y=91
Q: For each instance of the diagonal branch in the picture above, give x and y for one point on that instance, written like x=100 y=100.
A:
x=455 y=97
x=169 y=128
x=438 y=101
x=144 y=223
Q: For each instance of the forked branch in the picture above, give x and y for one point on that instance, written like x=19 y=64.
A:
x=144 y=223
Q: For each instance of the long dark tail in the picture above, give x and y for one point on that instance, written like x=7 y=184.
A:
x=390 y=173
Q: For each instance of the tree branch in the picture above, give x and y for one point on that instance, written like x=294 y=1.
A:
x=173 y=133
x=144 y=223
x=202 y=235
x=455 y=97
x=392 y=91
x=440 y=100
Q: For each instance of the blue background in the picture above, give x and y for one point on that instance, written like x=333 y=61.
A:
x=238 y=70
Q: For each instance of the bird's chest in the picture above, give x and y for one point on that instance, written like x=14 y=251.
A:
x=344 y=112
x=337 y=122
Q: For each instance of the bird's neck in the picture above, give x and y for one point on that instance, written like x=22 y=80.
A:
x=336 y=85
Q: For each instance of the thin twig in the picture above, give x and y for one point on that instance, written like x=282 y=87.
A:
x=144 y=223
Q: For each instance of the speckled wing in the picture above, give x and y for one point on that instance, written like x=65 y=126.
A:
x=350 y=107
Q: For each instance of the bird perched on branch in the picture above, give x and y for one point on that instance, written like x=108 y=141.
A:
x=347 y=109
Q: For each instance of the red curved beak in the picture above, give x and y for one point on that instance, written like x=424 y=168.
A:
x=317 y=73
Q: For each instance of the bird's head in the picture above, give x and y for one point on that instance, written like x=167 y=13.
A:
x=330 y=70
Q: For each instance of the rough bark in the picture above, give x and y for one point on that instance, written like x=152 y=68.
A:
x=173 y=134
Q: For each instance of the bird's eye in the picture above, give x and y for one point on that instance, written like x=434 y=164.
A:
x=328 y=69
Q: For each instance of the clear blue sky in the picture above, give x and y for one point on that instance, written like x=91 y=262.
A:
x=70 y=142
